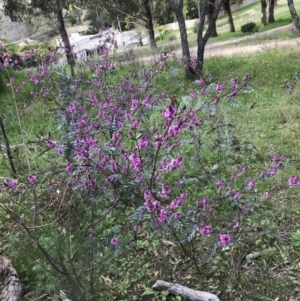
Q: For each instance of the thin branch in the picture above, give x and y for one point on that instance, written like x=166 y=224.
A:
x=8 y=152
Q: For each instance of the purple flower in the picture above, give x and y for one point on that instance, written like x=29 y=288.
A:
x=135 y=162
x=203 y=91
x=216 y=101
x=220 y=184
x=136 y=228
x=294 y=181
x=143 y=142
x=219 y=88
x=229 y=193
x=206 y=230
x=135 y=124
x=91 y=183
x=51 y=144
x=114 y=241
x=175 y=163
x=224 y=239
x=267 y=194
x=192 y=95
x=165 y=190
x=134 y=104
x=12 y=184
x=201 y=81
x=25 y=57
x=234 y=84
x=238 y=196
x=233 y=94
x=60 y=152
x=245 y=169
x=251 y=185
x=7 y=182
x=244 y=208
x=169 y=112
x=69 y=167
x=31 y=179
x=91 y=233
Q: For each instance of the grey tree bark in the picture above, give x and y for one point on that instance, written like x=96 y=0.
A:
x=64 y=35
x=210 y=11
x=177 y=7
x=149 y=25
x=10 y=285
x=227 y=8
x=271 y=18
x=294 y=14
x=202 y=39
x=264 y=4
x=187 y=293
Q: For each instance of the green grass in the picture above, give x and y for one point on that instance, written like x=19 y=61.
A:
x=251 y=13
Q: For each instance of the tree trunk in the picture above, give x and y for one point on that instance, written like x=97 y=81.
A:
x=264 y=4
x=187 y=293
x=178 y=9
x=10 y=286
x=64 y=35
x=227 y=8
x=294 y=14
x=202 y=40
x=271 y=18
x=210 y=10
x=146 y=4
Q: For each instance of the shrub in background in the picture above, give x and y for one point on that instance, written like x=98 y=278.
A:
x=250 y=27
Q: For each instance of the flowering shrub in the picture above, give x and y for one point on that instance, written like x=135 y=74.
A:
x=132 y=159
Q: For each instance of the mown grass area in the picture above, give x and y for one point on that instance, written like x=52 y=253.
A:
x=251 y=13
x=267 y=120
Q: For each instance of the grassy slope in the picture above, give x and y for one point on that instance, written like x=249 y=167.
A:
x=251 y=13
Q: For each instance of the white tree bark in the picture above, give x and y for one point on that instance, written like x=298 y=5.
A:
x=188 y=293
x=10 y=286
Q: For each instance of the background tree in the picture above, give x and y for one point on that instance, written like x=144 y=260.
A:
x=271 y=18
x=264 y=4
x=294 y=14
x=162 y=13
x=191 y=9
x=177 y=7
x=202 y=39
x=139 y=10
x=227 y=8
x=210 y=11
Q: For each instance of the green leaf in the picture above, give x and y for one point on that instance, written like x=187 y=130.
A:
x=164 y=293
x=149 y=291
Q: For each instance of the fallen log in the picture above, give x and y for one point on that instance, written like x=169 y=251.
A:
x=187 y=293
x=10 y=285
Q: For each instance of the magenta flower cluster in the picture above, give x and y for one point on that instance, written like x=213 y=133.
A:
x=129 y=146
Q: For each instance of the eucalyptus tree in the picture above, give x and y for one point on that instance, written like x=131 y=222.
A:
x=227 y=8
x=177 y=7
x=264 y=5
x=294 y=14
x=202 y=37
x=271 y=18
